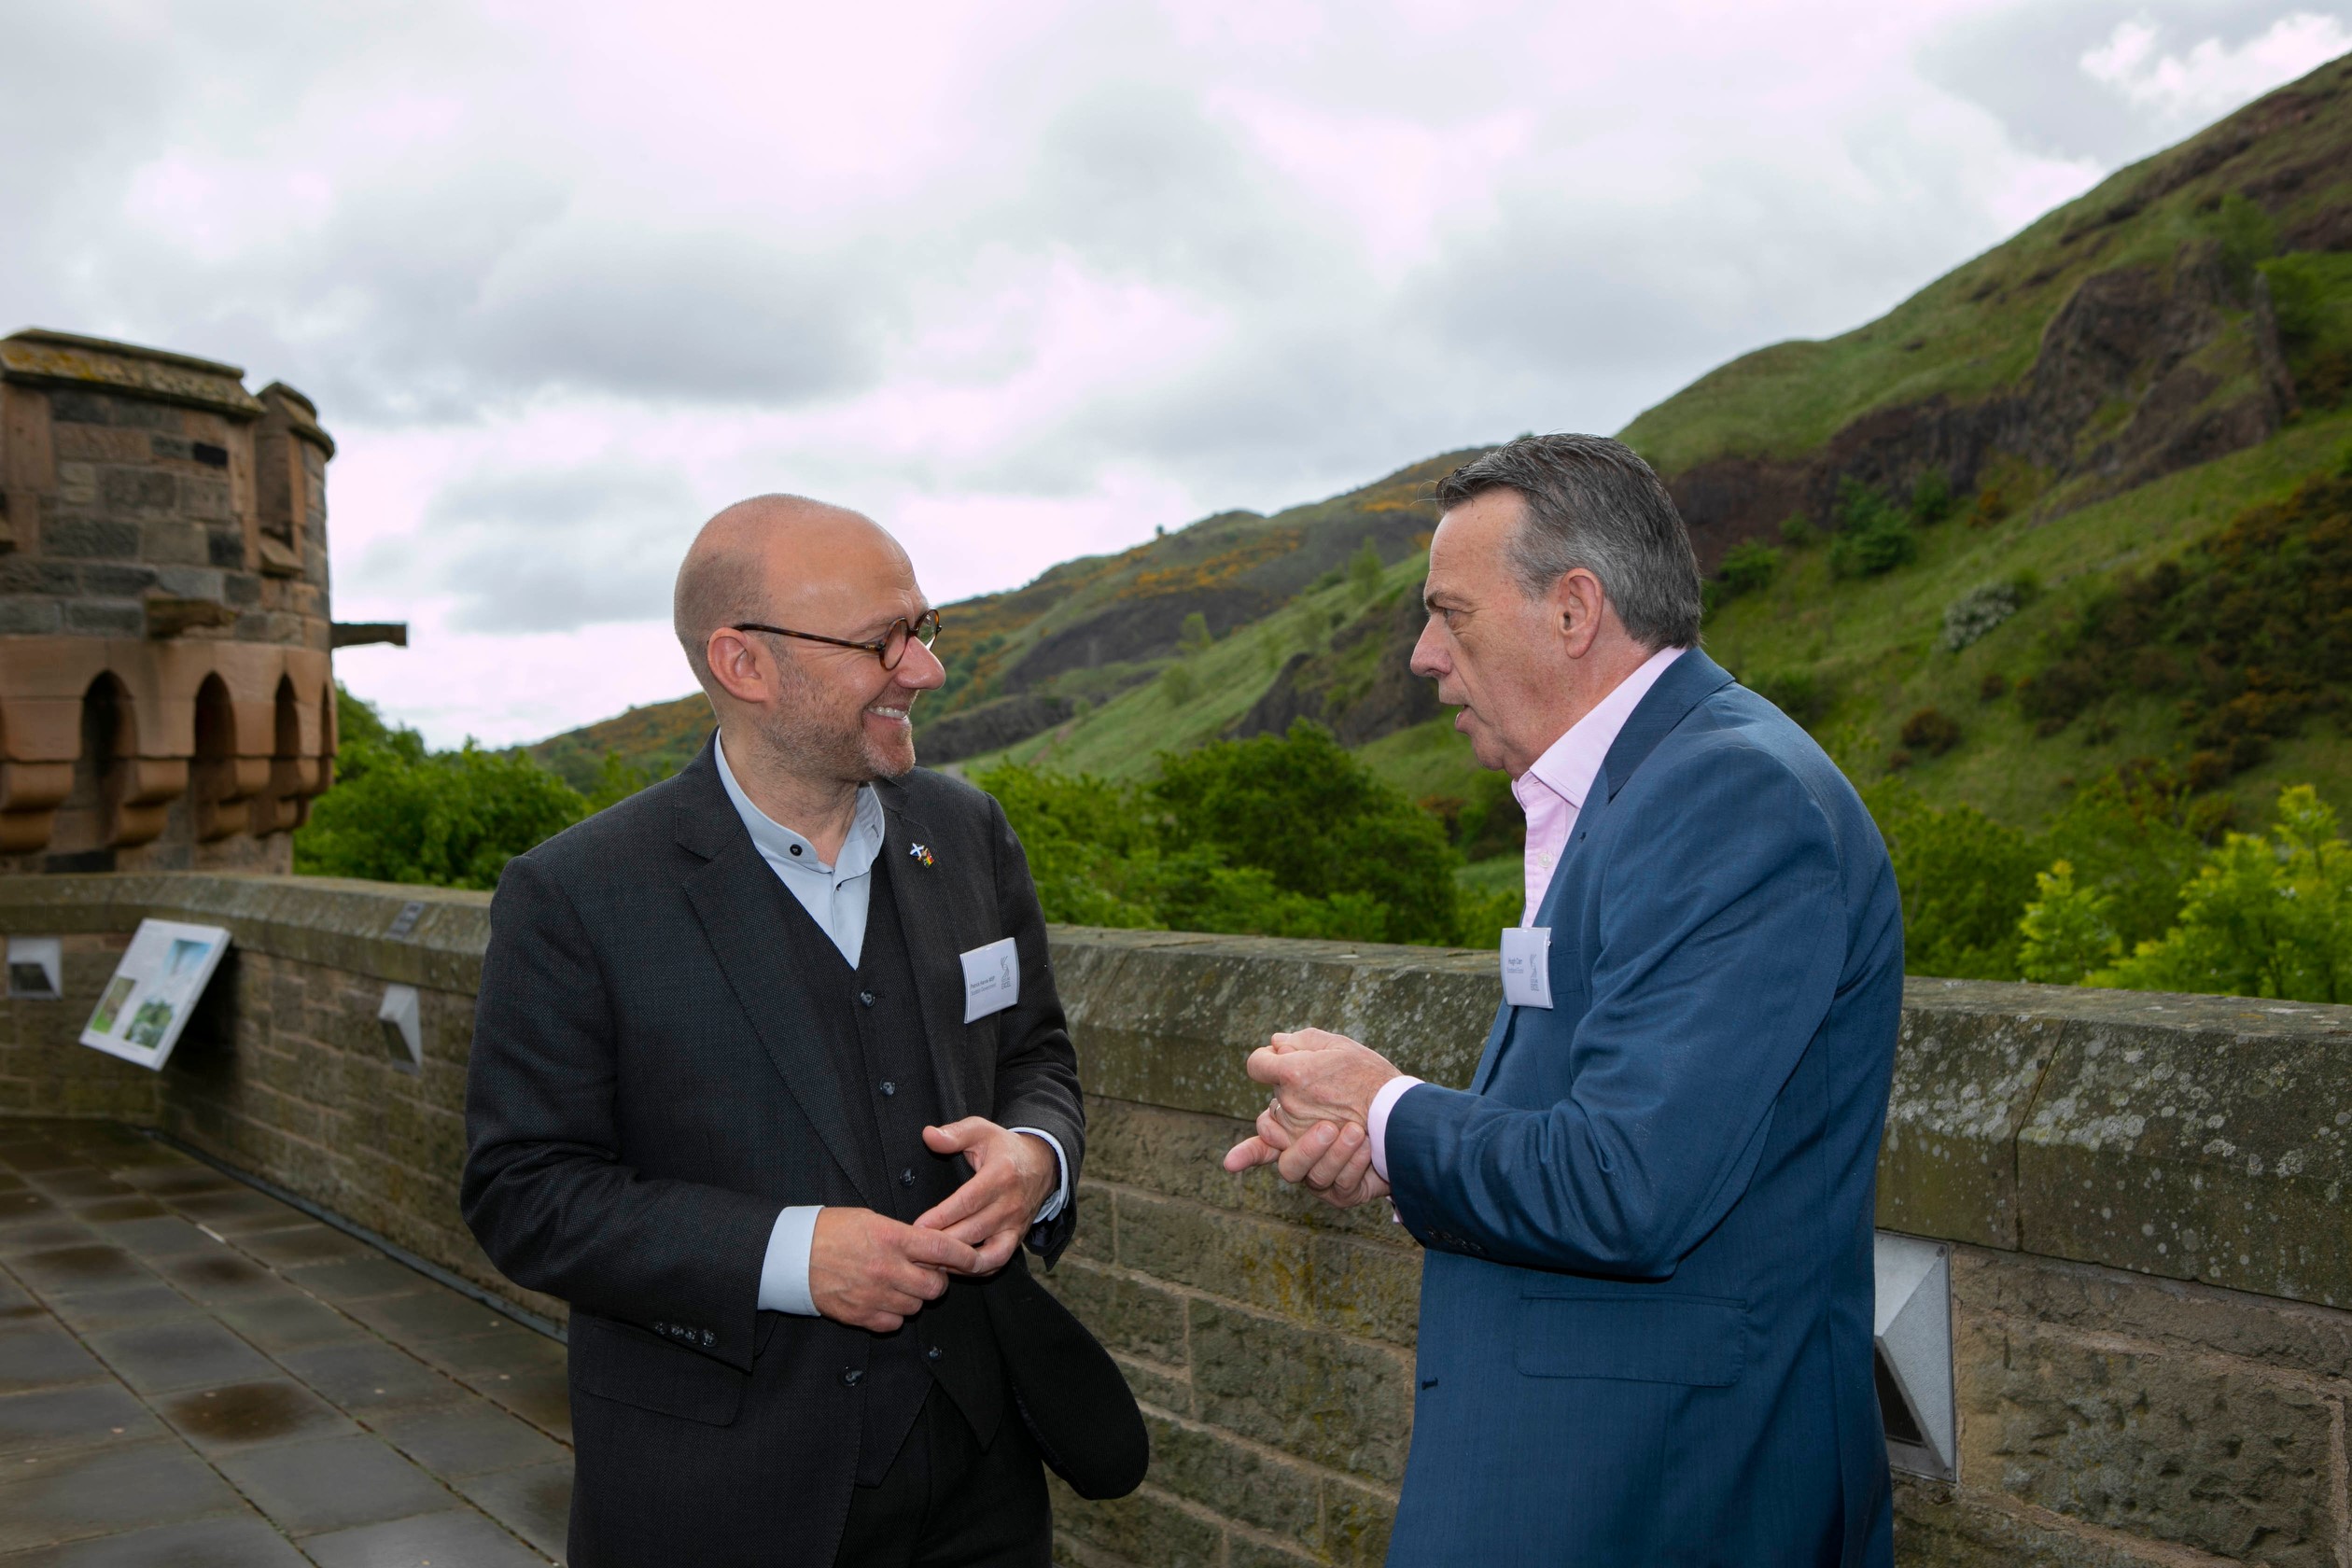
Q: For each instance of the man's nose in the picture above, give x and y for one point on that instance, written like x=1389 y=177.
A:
x=919 y=669
x=1429 y=659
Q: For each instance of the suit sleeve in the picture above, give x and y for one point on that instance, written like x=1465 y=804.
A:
x=1037 y=1068
x=1722 y=935
x=545 y=1191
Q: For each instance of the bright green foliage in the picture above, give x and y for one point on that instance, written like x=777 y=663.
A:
x=1178 y=682
x=1276 y=837
x=1364 y=573
x=1962 y=876
x=2263 y=918
x=1874 y=536
x=1195 y=635
x=1306 y=810
x=399 y=813
x=2133 y=838
x=2068 y=930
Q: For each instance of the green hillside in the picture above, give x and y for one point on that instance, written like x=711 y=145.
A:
x=2051 y=514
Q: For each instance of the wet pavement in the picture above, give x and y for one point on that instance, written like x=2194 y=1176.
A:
x=192 y=1374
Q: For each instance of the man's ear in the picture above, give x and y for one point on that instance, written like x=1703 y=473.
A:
x=738 y=666
x=1577 y=603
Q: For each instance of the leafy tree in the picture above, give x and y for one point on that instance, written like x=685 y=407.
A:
x=1320 y=824
x=2261 y=917
x=1195 y=636
x=399 y=813
x=1963 y=879
x=1275 y=836
x=1178 y=682
x=1364 y=573
x=2068 y=930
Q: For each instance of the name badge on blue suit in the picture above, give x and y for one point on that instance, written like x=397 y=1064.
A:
x=1527 y=966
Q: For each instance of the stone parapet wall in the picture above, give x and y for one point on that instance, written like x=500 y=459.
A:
x=2144 y=1196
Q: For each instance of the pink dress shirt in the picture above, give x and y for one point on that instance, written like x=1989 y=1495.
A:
x=1552 y=793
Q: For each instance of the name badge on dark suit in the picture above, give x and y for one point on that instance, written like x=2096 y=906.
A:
x=992 y=979
x=1527 y=966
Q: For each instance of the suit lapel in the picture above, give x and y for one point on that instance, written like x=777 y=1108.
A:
x=1686 y=683
x=734 y=895
x=936 y=909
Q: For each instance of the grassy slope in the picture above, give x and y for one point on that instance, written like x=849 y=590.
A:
x=1976 y=330
x=1877 y=640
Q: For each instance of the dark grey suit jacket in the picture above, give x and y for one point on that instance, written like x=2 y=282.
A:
x=642 y=1100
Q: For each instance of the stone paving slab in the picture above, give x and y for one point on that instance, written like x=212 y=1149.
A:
x=193 y=1373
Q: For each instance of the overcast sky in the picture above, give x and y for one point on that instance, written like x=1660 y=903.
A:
x=1021 y=280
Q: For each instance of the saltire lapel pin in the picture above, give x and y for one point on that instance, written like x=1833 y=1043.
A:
x=921 y=852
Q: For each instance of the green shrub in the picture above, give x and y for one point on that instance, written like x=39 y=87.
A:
x=1964 y=879
x=1931 y=498
x=1931 y=730
x=1797 y=533
x=1178 y=682
x=1285 y=836
x=1195 y=636
x=1874 y=536
x=2256 y=917
x=1747 y=568
x=450 y=819
x=1364 y=573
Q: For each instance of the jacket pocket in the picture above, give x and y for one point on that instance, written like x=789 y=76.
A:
x=636 y=1367
x=1567 y=1331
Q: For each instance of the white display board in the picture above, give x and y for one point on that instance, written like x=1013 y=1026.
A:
x=142 y=1009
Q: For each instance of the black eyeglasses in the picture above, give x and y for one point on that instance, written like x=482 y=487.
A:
x=891 y=647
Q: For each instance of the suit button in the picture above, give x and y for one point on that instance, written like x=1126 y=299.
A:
x=709 y=1338
x=932 y=1354
x=852 y=1376
x=661 y=1328
x=906 y=1178
x=865 y=999
x=889 y=1088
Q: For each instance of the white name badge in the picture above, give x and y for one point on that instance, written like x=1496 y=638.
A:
x=1527 y=966
x=992 y=979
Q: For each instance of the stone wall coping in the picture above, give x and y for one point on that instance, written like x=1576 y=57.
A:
x=2206 y=1139
x=41 y=357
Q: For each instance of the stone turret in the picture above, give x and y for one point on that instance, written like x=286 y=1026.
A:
x=167 y=695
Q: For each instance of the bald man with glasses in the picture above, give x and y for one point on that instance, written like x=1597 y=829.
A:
x=771 y=1085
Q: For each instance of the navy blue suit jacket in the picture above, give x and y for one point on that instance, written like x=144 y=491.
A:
x=1646 y=1298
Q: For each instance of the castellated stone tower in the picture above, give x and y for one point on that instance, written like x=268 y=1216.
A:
x=167 y=699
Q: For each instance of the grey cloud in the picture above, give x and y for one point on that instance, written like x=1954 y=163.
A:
x=538 y=551
x=2024 y=64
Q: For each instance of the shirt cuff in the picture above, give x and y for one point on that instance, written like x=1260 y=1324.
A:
x=1375 y=1119
x=784 y=1276
x=1061 y=1199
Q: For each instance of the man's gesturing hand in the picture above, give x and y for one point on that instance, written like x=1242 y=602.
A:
x=1314 y=1129
x=869 y=1271
x=1013 y=1174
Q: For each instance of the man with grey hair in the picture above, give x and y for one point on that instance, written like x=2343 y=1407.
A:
x=770 y=1083
x=1646 y=1321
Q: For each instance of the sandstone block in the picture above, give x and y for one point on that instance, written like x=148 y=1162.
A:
x=1337 y=1401
x=1126 y=1313
x=1965 y=1075
x=1255 y=1261
x=1936 y=1528
x=2173 y=1448
x=1356 y=1523
x=1236 y=1479
x=2205 y=1139
x=1147 y=1527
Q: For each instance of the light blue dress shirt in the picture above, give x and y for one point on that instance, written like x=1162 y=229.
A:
x=835 y=897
